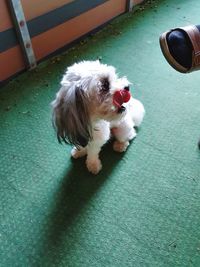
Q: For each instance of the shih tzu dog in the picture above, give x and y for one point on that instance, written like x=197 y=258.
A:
x=92 y=105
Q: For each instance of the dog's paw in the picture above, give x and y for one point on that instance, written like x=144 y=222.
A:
x=94 y=166
x=120 y=146
x=78 y=153
x=132 y=134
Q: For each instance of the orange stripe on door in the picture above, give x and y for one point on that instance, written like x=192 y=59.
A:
x=11 y=62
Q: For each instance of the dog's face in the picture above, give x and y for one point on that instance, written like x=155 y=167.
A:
x=86 y=96
x=110 y=104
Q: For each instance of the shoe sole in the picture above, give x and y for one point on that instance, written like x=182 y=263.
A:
x=165 y=50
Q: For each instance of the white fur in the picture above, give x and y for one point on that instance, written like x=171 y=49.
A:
x=104 y=118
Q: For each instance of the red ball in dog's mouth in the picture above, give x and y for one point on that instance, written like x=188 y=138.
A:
x=120 y=97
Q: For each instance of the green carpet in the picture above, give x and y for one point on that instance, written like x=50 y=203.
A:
x=143 y=209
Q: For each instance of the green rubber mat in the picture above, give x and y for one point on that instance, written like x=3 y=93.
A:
x=143 y=209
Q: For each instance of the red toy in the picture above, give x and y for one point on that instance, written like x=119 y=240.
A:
x=120 y=97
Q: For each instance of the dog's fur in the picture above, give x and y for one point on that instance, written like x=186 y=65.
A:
x=84 y=114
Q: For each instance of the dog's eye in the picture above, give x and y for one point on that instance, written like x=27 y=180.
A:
x=126 y=88
x=105 y=85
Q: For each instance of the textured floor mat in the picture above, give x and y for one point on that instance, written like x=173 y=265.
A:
x=143 y=207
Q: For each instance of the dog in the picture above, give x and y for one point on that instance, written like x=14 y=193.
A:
x=92 y=105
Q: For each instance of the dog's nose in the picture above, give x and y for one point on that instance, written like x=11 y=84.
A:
x=126 y=88
x=121 y=109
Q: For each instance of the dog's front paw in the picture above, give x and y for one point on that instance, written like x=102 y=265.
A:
x=94 y=166
x=120 y=146
x=78 y=153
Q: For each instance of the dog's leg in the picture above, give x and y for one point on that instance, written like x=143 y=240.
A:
x=78 y=153
x=100 y=136
x=123 y=134
x=93 y=162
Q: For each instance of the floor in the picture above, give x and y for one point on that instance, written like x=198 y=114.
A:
x=143 y=207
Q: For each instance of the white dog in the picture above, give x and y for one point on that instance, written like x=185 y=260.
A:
x=92 y=104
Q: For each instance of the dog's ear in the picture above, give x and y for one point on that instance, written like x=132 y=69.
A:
x=71 y=117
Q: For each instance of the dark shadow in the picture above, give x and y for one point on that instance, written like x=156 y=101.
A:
x=76 y=190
